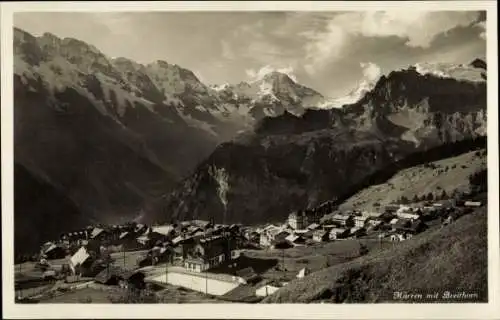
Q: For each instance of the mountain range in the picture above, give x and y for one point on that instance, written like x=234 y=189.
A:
x=120 y=140
x=293 y=162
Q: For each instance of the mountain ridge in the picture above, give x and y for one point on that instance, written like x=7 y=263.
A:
x=172 y=132
x=294 y=159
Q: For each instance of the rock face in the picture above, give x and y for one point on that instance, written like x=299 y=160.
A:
x=291 y=162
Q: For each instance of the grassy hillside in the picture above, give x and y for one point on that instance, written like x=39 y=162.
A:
x=450 y=174
x=453 y=258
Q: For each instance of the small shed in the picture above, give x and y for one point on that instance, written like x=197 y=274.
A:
x=55 y=252
x=248 y=274
x=338 y=233
x=266 y=290
x=320 y=235
x=303 y=272
x=474 y=204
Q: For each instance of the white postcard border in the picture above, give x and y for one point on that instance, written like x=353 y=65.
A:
x=488 y=310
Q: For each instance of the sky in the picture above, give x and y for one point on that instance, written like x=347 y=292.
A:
x=330 y=52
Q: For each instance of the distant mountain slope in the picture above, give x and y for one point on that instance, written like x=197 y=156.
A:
x=114 y=135
x=55 y=213
x=292 y=162
x=454 y=258
x=445 y=176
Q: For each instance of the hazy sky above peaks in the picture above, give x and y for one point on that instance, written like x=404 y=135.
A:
x=328 y=51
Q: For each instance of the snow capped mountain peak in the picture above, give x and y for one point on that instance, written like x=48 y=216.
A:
x=450 y=70
x=352 y=97
x=277 y=76
x=220 y=87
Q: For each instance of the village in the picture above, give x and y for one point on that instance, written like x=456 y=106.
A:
x=202 y=261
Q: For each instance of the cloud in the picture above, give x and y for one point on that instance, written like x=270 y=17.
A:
x=371 y=71
x=227 y=51
x=324 y=47
x=418 y=28
x=482 y=26
x=255 y=75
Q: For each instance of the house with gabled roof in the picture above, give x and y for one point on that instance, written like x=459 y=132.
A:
x=248 y=275
x=360 y=221
x=338 y=233
x=295 y=239
x=209 y=252
x=320 y=235
x=303 y=272
x=345 y=221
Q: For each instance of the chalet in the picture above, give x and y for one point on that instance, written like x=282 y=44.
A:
x=320 y=236
x=203 y=224
x=358 y=232
x=408 y=215
x=338 y=233
x=266 y=290
x=140 y=229
x=280 y=236
x=182 y=246
x=252 y=236
x=372 y=214
x=198 y=235
x=109 y=276
x=265 y=239
x=392 y=208
x=373 y=224
x=359 y=221
x=177 y=240
x=301 y=232
x=101 y=235
x=397 y=237
x=295 y=239
x=416 y=226
x=307 y=235
x=55 y=252
x=303 y=272
x=209 y=252
x=328 y=227
x=313 y=226
x=472 y=204
x=191 y=230
x=143 y=240
x=344 y=221
x=268 y=234
x=401 y=225
x=302 y=218
x=447 y=221
x=297 y=220
x=165 y=230
x=393 y=223
x=212 y=232
x=161 y=233
x=235 y=228
x=248 y=275
x=80 y=260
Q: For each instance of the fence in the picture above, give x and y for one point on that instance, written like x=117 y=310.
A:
x=208 y=283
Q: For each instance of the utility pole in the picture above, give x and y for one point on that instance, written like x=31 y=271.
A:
x=166 y=271
x=20 y=273
x=283 y=263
